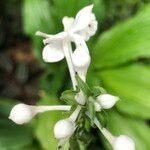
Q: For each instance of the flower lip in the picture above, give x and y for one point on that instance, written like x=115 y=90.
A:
x=53 y=52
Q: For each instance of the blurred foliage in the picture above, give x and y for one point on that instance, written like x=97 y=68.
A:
x=121 y=58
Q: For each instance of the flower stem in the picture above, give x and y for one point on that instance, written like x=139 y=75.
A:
x=40 y=109
x=74 y=115
x=67 y=50
x=104 y=131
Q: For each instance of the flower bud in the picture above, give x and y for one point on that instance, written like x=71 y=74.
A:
x=80 y=98
x=105 y=101
x=63 y=129
x=97 y=106
x=123 y=142
x=81 y=61
x=22 y=113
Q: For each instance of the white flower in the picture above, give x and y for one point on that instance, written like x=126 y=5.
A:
x=105 y=101
x=84 y=25
x=64 y=129
x=123 y=142
x=22 y=113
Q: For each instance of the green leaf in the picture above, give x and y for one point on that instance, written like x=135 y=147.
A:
x=83 y=86
x=14 y=137
x=138 y=130
x=132 y=85
x=97 y=90
x=102 y=117
x=91 y=109
x=127 y=41
x=69 y=97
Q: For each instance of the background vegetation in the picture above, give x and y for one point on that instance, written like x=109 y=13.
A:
x=120 y=63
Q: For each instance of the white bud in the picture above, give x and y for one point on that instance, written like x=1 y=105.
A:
x=64 y=129
x=123 y=142
x=80 y=98
x=22 y=113
x=106 y=101
x=97 y=106
x=81 y=61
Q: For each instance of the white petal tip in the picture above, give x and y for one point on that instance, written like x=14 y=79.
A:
x=107 y=101
x=37 y=33
x=91 y=6
x=124 y=142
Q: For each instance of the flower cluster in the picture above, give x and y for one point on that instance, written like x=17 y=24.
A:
x=57 y=47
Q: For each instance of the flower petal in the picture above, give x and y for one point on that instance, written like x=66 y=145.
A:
x=67 y=22
x=89 y=31
x=53 y=52
x=83 y=18
x=79 y=41
x=53 y=38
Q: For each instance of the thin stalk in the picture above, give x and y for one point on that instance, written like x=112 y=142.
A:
x=75 y=114
x=67 y=49
x=40 y=109
x=104 y=131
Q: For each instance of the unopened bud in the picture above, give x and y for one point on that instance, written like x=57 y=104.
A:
x=81 y=61
x=123 y=142
x=105 y=101
x=22 y=113
x=80 y=98
x=64 y=129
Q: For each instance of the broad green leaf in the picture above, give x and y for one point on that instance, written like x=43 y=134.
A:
x=138 y=130
x=127 y=41
x=14 y=137
x=132 y=84
x=45 y=123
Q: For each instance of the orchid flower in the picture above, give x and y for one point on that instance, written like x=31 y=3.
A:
x=57 y=47
x=76 y=30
